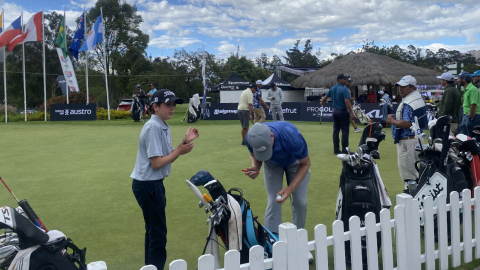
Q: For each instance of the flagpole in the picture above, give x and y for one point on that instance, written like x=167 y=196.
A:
x=23 y=69
x=44 y=69
x=66 y=58
x=4 y=69
x=86 y=52
x=105 y=61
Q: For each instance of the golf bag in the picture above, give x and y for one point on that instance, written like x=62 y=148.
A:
x=438 y=172
x=228 y=222
x=359 y=114
x=136 y=109
x=34 y=249
x=194 y=110
x=361 y=188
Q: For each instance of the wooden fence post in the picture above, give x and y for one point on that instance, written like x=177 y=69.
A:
x=412 y=230
x=302 y=249
x=477 y=222
x=400 y=237
x=206 y=262
x=321 y=251
x=455 y=228
x=232 y=260
x=279 y=256
x=442 y=231
x=338 y=245
x=386 y=232
x=467 y=225
x=178 y=265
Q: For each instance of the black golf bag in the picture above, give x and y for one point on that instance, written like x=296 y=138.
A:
x=359 y=189
x=193 y=113
x=136 y=110
x=50 y=255
x=439 y=173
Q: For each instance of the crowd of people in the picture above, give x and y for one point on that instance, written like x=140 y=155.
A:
x=280 y=148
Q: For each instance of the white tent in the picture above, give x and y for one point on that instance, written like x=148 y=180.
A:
x=233 y=96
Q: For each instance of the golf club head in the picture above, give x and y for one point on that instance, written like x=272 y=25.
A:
x=343 y=157
x=375 y=154
x=348 y=149
x=437 y=140
x=201 y=178
x=216 y=189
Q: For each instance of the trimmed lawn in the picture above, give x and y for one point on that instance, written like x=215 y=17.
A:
x=75 y=175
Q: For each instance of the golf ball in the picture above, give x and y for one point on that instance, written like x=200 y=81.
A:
x=279 y=197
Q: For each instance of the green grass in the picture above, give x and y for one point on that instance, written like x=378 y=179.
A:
x=76 y=177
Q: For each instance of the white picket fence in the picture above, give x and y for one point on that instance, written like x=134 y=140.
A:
x=291 y=251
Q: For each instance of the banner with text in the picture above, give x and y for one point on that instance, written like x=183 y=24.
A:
x=72 y=112
x=68 y=71
x=295 y=111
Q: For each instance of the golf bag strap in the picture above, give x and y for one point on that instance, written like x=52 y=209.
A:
x=251 y=236
x=416 y=166
x=78 y=255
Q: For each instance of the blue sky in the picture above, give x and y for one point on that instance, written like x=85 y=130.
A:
x=272 y=26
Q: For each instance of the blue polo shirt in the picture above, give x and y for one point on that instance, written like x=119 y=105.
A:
x=339 y=93
x=407 y=115
x=288 y=144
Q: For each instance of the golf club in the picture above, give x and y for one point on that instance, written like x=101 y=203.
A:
x=27 y=208
x=321 y=114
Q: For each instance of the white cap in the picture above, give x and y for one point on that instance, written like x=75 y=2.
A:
x=381 y=92
x=259 y=82
x=407 y=80
x=446 y=76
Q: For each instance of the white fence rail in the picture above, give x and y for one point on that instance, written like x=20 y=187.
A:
x=291 y=252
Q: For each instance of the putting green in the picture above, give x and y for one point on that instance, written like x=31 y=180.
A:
x=76 y=177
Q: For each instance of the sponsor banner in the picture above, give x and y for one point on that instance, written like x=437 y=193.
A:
x=71 y=112
x=296 y=111
x=291 y=111
x=68 y=71
x=312 y=111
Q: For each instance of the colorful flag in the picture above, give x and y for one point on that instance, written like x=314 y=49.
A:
x=1 y=22
x=94 y=36
x=77 y=39
x=60 y=38
x=33 y=31
x=11 y=32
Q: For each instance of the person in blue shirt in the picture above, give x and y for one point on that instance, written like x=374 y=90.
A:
x=281 y=149
x=342 y=112
x=153 y=89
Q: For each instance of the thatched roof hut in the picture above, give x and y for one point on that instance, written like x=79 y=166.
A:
x=366 y=69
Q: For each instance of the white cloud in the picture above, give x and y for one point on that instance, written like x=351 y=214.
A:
x=169 y=42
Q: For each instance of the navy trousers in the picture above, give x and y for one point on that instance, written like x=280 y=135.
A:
x=150 y=196
x=341 y=121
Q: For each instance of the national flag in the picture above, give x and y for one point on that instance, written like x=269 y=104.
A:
x=94 y=36
x=1 y=22
x=77 y=39
x=11 y=32
x=60 y=38
x=33 y=31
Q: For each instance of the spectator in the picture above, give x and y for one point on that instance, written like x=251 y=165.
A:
x=275 y=96
x=476 y=79
x=150 y=94
x=372 y=97
x=451 y=101
x=342 y=112
x=258 y=112
x=471 y=99
x=412 y=105
x=245 y=109
x=363 y=98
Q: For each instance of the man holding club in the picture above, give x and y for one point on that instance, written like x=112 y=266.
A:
x=412 y=105
x=154 y=162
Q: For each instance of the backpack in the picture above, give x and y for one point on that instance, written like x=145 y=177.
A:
x=253 y=232
x=357 y=196
x=54 y=256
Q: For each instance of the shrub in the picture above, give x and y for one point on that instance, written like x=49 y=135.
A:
x=73 y=98
x=10 y=110
x=102 y=114
x=38 y=116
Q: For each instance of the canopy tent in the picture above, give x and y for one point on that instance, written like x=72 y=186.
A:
x=278 y=81
x=232 y=82
x=366 y=69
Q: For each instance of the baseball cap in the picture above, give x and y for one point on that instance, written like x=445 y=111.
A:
x=381 y=92
x=342 y=76
x=138 y=85
x=446 y=76
x=349 y=79
x=476 y=74
x=465 y=75
x=165 y=95
x=252 y=85
x=272 y=85
x=407 y=80
x=259 y=82
x=260 y=139
x=153 y=85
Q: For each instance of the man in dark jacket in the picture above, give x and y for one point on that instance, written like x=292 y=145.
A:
x=451 y=100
